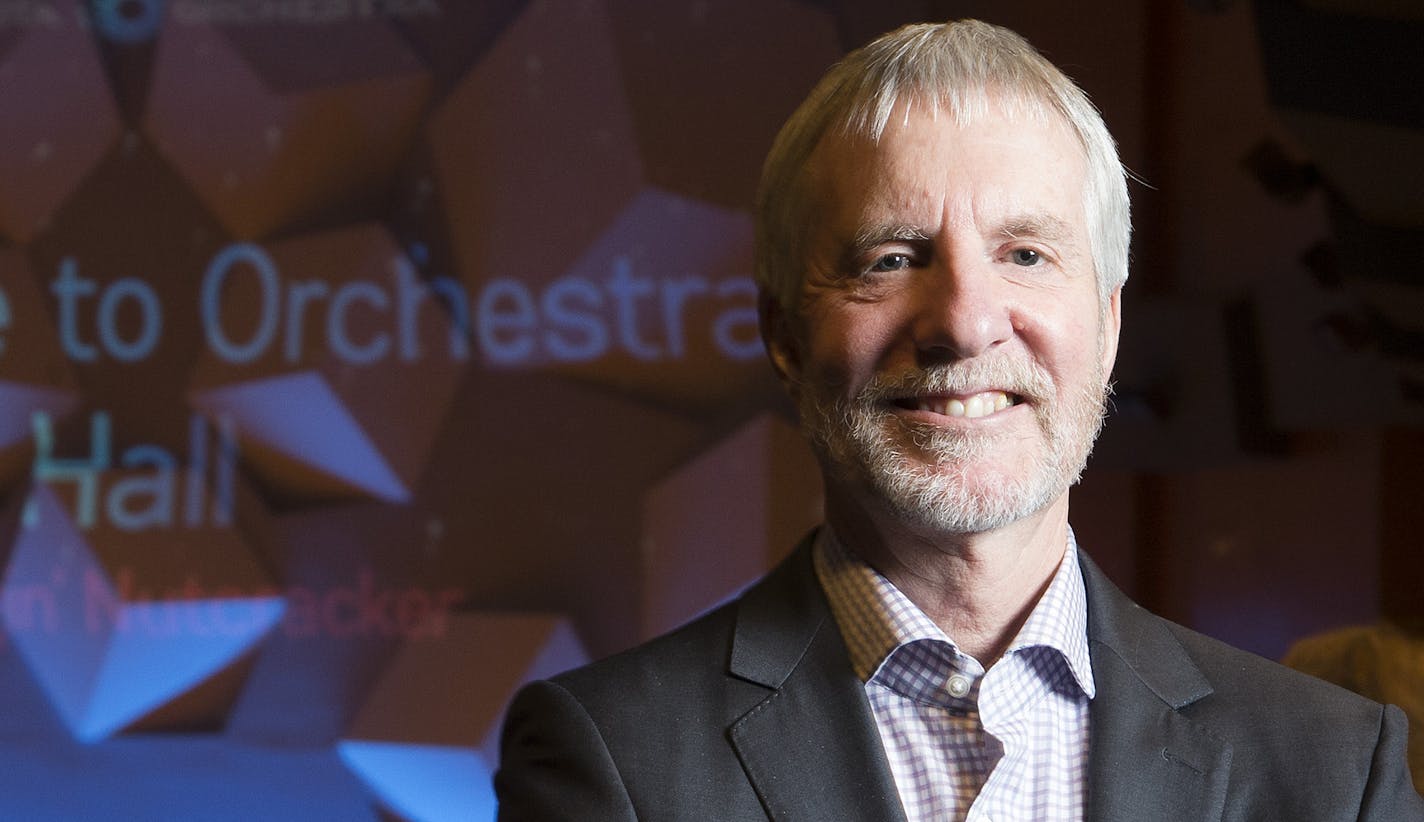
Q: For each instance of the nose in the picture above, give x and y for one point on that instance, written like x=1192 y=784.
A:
x=963 y=310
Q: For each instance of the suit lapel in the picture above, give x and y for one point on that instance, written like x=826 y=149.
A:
x=810 y=749
x=1149 y=759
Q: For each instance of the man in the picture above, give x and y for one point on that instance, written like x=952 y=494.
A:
x=942 y=243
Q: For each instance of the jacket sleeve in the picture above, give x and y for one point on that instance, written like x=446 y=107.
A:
x=554 y=764
x=1390 y=795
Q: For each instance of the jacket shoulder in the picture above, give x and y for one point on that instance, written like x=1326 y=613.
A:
x=1284 y=745
x=645 y=732
x=1262 y=688
x=741 y=644
x=659 y=666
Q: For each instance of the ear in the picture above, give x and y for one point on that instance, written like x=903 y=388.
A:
x=780 y=339
x=1112 y=327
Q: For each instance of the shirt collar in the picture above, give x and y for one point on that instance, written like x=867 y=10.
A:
x=875 y=617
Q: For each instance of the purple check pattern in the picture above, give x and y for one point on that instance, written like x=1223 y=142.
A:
x=1014 y=744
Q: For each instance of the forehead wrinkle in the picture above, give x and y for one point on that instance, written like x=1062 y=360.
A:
x=882 y=191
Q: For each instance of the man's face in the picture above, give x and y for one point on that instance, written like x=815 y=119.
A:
x=950 y=354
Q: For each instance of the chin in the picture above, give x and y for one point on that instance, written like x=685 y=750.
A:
x=950 y=503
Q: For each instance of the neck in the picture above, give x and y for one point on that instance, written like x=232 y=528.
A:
x=978 y=588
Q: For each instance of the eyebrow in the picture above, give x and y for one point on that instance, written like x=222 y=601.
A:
x=1037 y=226
x=874 y=235
x=1018 y=226
x=1034 y=226
x=871 y=237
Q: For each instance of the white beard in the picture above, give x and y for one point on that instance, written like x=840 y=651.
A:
x=934 y=477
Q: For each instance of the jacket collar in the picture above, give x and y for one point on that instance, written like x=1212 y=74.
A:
x=1148 y=759
x=811 y=748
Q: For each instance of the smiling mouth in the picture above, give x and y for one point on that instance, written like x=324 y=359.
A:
x=973 y=406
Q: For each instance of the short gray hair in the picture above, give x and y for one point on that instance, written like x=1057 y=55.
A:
x=958 y=66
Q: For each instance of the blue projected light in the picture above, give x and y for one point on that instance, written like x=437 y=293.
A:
x=424 y=783
x=103 y=662
x=146 y=667
x=299 y=416
x=189 y=777
x=50 y=576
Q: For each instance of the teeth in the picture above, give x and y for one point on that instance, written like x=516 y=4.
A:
x=979 y=405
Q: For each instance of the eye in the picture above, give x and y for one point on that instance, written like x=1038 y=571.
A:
x=1025 y=257
x=891 y=262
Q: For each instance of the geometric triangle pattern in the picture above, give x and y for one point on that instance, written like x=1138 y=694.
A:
x=52 y=139
x=106 y=636
x=289 y=127
x=427 y=739
x=424 y=783
x=299 y=416
x=720 y=520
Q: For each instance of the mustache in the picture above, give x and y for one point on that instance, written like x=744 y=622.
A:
x=1027 y=381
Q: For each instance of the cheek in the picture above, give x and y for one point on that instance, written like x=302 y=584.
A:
x=848 y=345
x=1069 y=343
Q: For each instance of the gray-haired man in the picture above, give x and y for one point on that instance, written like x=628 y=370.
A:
x=942 y=243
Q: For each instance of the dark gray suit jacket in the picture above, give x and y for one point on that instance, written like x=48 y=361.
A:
x=753 y=712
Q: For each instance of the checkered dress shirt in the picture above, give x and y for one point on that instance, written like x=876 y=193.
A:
x=965 y=744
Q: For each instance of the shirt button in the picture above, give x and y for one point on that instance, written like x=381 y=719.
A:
x=958 y=685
